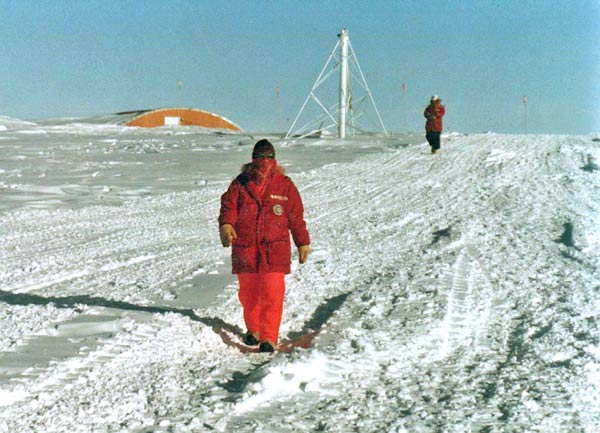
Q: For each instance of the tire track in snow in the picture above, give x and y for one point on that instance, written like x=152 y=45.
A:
x=110 y=252
x=469 y=300
x=112 y=268
x=490 y=210
x=107 y=251
x=456 y=323
x=393 y=276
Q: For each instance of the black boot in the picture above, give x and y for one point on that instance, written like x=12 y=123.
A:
x=266 y=346
x=250 y=339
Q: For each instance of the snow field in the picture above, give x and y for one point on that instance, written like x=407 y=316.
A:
x=455 y=292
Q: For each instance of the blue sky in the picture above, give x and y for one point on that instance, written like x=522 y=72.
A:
x=81 y=58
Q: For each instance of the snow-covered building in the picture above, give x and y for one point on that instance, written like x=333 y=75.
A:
x=176 y=116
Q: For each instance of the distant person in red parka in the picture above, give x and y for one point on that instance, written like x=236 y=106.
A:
x=258 y=212
x=434 y=127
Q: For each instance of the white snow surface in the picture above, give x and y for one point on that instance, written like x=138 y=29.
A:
x=457 y=292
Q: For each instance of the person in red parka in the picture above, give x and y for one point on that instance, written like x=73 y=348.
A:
x=258 y=211
x=434 y=127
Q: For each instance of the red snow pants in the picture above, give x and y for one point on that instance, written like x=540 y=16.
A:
x=261 y=296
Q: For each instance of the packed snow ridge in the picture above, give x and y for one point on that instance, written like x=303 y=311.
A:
x=456 y=292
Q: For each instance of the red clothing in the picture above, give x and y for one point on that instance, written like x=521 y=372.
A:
x=434 y=113
x=261 y=295
x=263 y=222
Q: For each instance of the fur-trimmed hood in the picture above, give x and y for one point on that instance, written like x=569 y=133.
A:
x=249 y=169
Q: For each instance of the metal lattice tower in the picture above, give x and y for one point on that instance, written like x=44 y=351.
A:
x=347 y=114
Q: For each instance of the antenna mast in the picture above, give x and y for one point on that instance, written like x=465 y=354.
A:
x=347 y=105
x=343 y=36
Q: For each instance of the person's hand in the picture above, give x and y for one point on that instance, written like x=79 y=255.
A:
x=228 y=234
x=303 y=253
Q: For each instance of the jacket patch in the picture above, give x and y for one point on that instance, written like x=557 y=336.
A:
x=278 y=210
x=279 y=197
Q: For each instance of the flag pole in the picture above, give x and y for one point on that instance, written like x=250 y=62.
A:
x=525 y=111
x=405 y=107
x=179 y=99
x=278 y=108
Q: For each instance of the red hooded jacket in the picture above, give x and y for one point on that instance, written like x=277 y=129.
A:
x=263 y=223
x=434 y=114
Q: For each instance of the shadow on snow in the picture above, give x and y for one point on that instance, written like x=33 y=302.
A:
x=230 y=334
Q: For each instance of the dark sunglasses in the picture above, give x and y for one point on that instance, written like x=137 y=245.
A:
x=264 y=156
